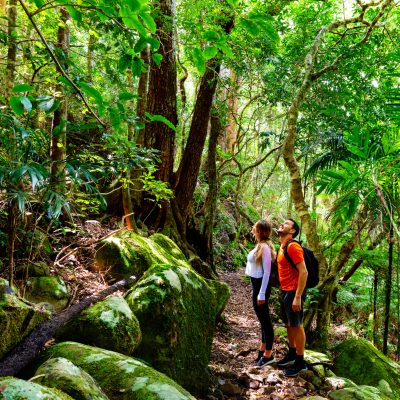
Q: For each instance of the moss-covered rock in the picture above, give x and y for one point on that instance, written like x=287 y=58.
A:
x=18 y=389
x=177 y=309
x=48 y=289
x=358 y=360
x=17 y=319
x=62 y=374
x=109 y=324
x=362 y=392
x=120 y=377
x=39 y=268
x=127 y=253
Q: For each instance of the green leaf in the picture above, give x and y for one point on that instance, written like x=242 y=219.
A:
x=91 y=92
x=39 y=3
x=357 y=151
x=136 y=66
x=333 y=174
x=16 y=105
x=251 y=27
x=26 y=103
x=123 y=96
x=140 y=45
x=157 y=58
x=153 y=42
x=74 y=13
x=211 y=36
x=134 y=5
x=160 y=118
x=225 y=49
x=149 y=22
x=210 y=52
x=199 y=61
x=21 y=88
x=124 y=62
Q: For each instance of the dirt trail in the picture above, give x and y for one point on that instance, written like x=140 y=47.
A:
x=235 y=349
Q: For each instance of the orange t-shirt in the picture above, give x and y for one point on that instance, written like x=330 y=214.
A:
x=289 y=276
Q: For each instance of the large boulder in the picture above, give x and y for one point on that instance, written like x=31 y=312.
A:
x=120 y=377
x=127 y=253
x=177 y=309
x=62 y=374
x=18 y=389
x=17 y=319
x=358 y=360
x=48 y=289
x=109 y=324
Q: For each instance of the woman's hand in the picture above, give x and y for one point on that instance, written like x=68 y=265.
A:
x=260 y=302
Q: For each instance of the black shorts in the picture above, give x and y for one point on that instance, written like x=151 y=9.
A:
x=290 y=317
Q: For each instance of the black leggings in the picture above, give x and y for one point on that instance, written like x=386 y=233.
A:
x=262 y=312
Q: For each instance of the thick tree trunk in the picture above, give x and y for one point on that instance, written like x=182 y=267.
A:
x=186 y=177
x=375 y=310
x=90 y=57
x=25 y=352
x=162 y=92
x=231 y=129
x=58 y=150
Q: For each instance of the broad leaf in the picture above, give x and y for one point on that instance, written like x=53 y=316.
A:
x=157 y=58
x=211 y=36
x=160 y=118
x=199 y=61
x=134 y=5
x=16 y=105
x=26 y=103
x=91 y=92
x=149 y=22
x=21 y=88
x=39 y=3
x=124 y=62
x=126 y=96
x=45 y=102
x=210 y=52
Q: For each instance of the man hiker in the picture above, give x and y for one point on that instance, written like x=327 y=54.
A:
x=293 y=283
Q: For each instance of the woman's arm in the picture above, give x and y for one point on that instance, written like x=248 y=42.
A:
x=266 y=264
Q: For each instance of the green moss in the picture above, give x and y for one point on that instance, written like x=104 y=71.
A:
x=48 y=289
x=18 y=389
x=177 y=309
x=17 y=319
x=120 y=377
x=64 y=375
x=109 y=324
x=358 y=360
x=358 y=393
x=127 y=254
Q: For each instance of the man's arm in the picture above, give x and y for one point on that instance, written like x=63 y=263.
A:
x=303 y=273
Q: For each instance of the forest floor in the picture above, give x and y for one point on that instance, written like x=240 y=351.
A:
x=235 y=348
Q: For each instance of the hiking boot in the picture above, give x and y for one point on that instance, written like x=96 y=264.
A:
x=295 y=369
x=286 y=361
x=263 y=361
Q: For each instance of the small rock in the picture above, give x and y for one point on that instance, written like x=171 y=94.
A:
x=255 y=377
x=254 y=385
x=267 y=390
x=230 y=389
x=299 y=391
x=272 y=379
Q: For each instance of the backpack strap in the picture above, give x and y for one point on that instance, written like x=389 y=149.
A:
x=286 y=253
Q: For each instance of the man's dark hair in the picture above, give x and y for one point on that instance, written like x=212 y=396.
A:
x=295 y=227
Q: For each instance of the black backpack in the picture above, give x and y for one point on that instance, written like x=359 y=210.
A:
x=310 y=260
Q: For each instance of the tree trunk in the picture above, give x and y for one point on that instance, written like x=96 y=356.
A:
x=12 y=210
x=211 y=198
x=388 y=292
x=12 y=48
x=162 y=92
x=375 y=310
x=231 y=129
x=90 y=57
x=58 y=151
x=186 y=177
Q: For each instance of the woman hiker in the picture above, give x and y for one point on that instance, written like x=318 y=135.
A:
x=258 y=267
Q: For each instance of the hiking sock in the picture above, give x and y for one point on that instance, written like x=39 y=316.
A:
x=292 y=352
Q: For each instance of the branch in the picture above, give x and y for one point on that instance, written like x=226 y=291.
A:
x=25 y=352
x=59 y=66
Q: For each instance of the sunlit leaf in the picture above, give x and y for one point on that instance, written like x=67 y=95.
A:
x=149 y=22
x=160 y=118
x=210 y=52
x=157 y=58
x=26 y=103
x=199 y=61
